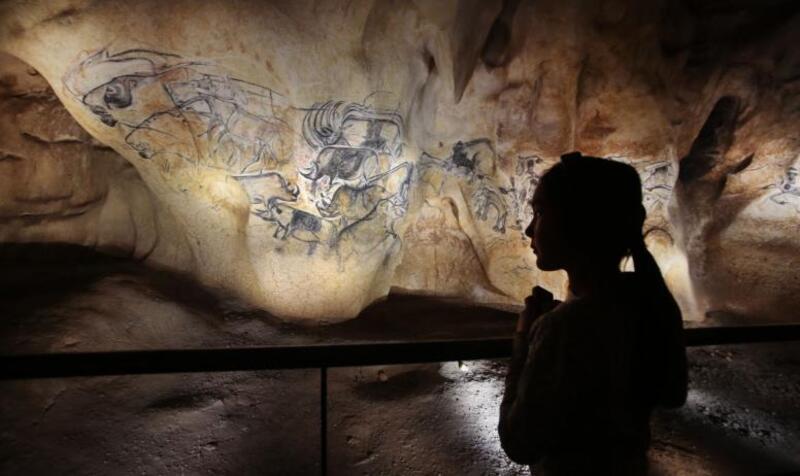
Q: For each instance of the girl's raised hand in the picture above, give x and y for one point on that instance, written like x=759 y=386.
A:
x=539 y=302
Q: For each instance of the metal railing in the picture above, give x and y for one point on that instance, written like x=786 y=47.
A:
x=86 y=364
x=322 y=356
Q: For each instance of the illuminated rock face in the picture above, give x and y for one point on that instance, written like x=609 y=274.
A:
x=311 y=156
x=59 y=185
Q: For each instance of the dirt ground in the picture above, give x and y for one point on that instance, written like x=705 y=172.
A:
x=742 y=417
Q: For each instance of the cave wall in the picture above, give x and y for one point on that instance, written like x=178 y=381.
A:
x=60 y=185
x=311 y=156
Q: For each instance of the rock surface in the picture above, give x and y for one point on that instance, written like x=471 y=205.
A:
x=311 y=156
x=59 y=185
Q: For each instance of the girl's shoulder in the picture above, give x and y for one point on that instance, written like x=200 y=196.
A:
x=619 y=299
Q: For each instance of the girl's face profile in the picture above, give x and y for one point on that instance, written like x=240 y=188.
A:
x=546 y=233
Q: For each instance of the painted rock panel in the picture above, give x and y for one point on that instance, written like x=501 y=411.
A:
x=312 y=156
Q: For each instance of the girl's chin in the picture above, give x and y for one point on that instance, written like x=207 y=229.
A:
x=543 y=265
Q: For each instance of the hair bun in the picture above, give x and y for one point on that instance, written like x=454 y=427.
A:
x=570 y=157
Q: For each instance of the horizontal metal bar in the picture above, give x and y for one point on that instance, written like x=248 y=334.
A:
x=77 y=364
x=701 y=336
x=70 y=364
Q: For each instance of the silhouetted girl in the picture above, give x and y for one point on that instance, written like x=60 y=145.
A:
x=586 y=373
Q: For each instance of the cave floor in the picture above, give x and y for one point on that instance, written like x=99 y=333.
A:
x=742 y=417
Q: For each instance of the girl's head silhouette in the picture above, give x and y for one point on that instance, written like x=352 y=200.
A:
x=588 y=214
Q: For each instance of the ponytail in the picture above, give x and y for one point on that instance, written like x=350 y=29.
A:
x=662 y=353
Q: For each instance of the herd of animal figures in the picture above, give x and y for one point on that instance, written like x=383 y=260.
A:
x=358 y=171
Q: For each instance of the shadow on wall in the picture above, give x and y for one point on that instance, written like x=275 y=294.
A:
x=37 y=276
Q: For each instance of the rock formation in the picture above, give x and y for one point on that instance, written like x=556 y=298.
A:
x=311 y=156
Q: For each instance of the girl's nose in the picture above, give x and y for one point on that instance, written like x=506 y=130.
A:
x=529 y=230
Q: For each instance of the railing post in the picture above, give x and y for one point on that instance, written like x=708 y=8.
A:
x=323 y=417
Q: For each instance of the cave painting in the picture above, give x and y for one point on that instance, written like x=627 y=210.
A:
x=358 y=169
x=170 y=109
x=528 y=172
x=658 y=180
x=180 y=112
x=332 y=178
x=786 y=192
x=359 y=149
x=475 y=162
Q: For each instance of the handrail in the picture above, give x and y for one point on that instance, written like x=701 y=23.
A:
x=321 y=356
x=84 y=364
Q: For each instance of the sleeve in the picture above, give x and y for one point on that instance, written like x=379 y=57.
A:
x=529 y=412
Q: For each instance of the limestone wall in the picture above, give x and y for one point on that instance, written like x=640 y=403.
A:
x=311 y=156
